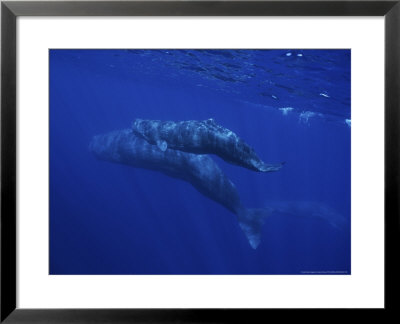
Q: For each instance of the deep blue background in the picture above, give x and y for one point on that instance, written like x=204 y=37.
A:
x=107 y=218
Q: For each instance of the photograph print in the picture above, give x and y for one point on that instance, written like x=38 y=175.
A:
x=199 y=161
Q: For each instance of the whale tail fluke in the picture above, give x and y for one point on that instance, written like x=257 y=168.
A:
x=265 y=167
x=251 y=221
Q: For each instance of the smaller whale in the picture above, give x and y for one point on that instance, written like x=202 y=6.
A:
x=201 y=137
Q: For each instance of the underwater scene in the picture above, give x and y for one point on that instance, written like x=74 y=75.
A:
x=180 y=162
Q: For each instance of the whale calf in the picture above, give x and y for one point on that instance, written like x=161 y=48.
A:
x=124 y=147
x=201 y=137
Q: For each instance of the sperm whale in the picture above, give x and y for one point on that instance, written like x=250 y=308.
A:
x=201 y=137
x=124 y=147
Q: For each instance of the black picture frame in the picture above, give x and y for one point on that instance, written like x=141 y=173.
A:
x=10 y=10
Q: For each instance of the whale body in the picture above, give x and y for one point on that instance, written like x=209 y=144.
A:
x=201 y=137
x=124 y=147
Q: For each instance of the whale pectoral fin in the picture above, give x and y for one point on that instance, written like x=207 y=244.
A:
x=162 y=145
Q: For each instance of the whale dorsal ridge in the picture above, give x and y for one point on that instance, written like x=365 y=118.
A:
x=162 y=145
x=210 y=121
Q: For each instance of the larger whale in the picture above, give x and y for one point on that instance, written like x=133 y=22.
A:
x=201 y=137
x=200 y=171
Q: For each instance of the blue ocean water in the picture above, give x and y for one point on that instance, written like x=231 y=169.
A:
x=289 y=105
